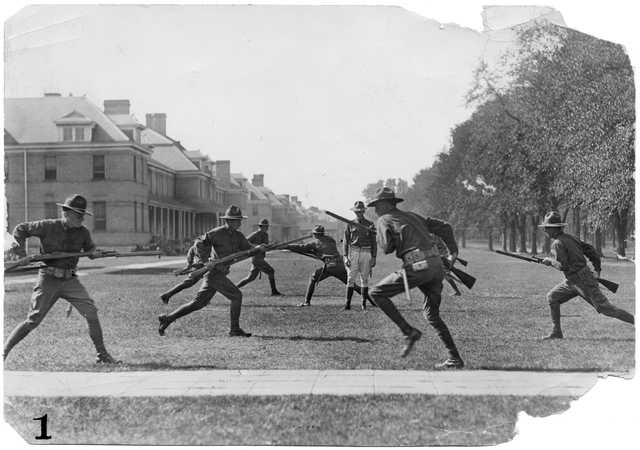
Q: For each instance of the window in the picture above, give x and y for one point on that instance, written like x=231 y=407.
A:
x=99 y=216
x=79 y=134
x=50 y=210
x=135 y=168
x=50 y=172
x=98 y=167
x=67 y=134
x=135 y=216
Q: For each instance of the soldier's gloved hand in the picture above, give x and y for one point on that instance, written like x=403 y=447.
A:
x=597 y=274
x=98 y=253
x=347 y=263
x=18 y=250
x=452 y=258
x=547 y=261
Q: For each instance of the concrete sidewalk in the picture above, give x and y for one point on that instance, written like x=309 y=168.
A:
x=295 y=382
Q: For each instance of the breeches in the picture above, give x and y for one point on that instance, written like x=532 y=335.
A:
x=258 y=266
x=49 y=289
x=216 y=282
x=360 y=266
x=338 y=272
x=582 y=284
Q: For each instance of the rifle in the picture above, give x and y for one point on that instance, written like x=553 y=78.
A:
x=610 y=285
x=463 y=276
x=60 y=255
x=351 y=222
x=240 y=256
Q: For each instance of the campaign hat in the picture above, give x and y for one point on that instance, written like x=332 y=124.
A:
x=233 y=212
x=318 y=229
x=552 y=219
x=384 y=194
x=359 y=207
x=76 y=203
x=263 y=222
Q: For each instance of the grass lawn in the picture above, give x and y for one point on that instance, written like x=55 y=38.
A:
x=496 y=325
x=396 y=420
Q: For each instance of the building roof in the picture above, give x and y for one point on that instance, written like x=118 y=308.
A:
x=196 y=154
x=125 y=120
x=32 y=120
x=268 y=193
x=152 y=137
x=172 y=157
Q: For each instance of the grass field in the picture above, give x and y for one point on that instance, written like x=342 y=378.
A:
x=396 y=420
x=496 y=325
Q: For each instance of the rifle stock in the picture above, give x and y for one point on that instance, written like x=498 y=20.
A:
x=464 y=277
x=350 y=222
x=60 y=255
x=613 y=287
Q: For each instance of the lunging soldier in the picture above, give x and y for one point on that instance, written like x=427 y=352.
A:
x=359 y=255
x=223 y=241
x=194 y=261
x=258 y=264
x=58 y=279
x=569 y=257
x=410 y=236
x=324 y=248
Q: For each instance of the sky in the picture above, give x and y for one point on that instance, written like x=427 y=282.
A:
x=178 y=80
x=322 y=100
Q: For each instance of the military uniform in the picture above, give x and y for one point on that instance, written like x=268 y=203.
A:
x=409 y=235
x=194 y=261
x=359 y=253
x=219 y=242
x=569 y=257
x=58 y=279
x=258 y=263
x=324 y=248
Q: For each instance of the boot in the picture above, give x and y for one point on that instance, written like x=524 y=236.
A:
x=165 y=321
x=366 y=298
x=450 y=363
x=274 y=290
x=555 y=319
x=311 y=287
x=411 y=338
x=106 y=358
x=347 y=304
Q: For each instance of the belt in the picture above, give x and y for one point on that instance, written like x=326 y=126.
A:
x=58 y=272
x=367 y=247
x=416 y=259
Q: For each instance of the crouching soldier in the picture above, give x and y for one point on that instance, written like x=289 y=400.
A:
x=409 y=235
x=258 y=264
x=58 y=279
x=569 y=257
x=195 y=261
x=325 y=249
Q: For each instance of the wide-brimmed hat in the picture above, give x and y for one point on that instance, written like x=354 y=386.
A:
x=385 y=193
x=318 y=229
x=233 y=212
x=263 y=222
x=358 y=207
x=552 y=219
x=76 y=203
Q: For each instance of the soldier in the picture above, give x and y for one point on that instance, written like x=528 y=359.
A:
x=223 y=240
x=258 y=264
x=410 y=236
x=569 y=257
x=195 y=261
x=58 y=279
x=323 y=248
x=359 y=255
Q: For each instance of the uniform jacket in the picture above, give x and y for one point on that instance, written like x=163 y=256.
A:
x=56 y=236
x=357 y=237
x=222 y=241
x=257 y=238
x=570 y=252
x=401 y=231
x=322 y=247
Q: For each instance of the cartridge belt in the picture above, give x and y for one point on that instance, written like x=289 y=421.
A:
x=58 y=272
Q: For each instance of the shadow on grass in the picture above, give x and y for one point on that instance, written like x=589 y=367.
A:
x=317 y=338
x=144 y=271
x=155 y=365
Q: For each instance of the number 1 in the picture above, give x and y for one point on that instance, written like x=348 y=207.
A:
x=43 y=427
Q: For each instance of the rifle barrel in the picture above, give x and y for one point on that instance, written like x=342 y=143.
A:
x=524 y=258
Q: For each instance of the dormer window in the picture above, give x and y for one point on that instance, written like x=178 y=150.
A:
x=75 y=127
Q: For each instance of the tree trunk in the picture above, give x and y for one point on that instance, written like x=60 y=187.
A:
x=490 y=239
x=621 y=218
x=512 y=234
x=534 y=234
x=598 y=241
x=463 y=235
x=504 y=236
x=546 y=248
x=522 y=230
x=576 y=221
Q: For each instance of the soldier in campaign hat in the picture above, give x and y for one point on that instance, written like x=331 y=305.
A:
x=258 y=264
x=219 y=242
x=324 y=248
x=568 y=255
x=359 y=255
x=410 y=236
x=58 y=278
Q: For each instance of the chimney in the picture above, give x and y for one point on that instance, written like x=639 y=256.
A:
x=223 y=170
x=116 y=107
x=157 y=122
x=52 y=94
x=258 y=180
x=294 y=199
x=286 y=196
